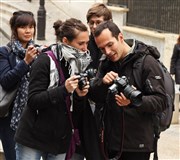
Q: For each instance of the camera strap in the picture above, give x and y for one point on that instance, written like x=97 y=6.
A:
x=102 y=133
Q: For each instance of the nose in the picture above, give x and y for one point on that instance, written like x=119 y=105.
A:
x=107 y=50
x=27 y=29
x=84 y=48
x=94 y=25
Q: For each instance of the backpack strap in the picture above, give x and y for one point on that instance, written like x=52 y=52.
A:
x=137 y=70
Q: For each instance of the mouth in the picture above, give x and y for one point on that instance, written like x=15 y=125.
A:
x=111 y=55
x=27 y=36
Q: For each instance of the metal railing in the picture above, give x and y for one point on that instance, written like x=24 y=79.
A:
x=160 y=15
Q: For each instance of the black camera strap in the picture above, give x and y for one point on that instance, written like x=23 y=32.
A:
x=102 y=132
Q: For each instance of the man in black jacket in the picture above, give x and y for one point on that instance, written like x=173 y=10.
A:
x=128 y=130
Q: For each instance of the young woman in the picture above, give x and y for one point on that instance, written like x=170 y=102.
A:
x=15 y=60
x=175 y=62
x=45 y=129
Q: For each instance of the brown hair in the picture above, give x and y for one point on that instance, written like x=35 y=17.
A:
x=19 y=19
x=68 y=29
x=98 y=10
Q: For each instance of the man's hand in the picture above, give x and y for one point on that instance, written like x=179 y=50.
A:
x=109 y=77
x=84 y=91
x=121 y=100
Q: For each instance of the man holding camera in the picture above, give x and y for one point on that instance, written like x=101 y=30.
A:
x=127 y=132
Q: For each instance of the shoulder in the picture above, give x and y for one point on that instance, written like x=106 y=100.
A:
x=41 y=61
x=177 y=47
x=151 y=64
x=4 y=51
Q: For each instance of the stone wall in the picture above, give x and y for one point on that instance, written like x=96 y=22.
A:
x=163 y=41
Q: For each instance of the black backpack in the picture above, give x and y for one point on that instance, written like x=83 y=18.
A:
x=161 y=121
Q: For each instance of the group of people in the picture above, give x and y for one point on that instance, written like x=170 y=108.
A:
x=52 y=116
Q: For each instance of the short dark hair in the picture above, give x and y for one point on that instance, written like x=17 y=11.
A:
x=113 y=28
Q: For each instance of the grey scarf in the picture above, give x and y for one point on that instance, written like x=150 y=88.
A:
x=78 y=60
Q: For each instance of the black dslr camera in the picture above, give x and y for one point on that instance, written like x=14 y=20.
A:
x=121 y=84
x=84 y=76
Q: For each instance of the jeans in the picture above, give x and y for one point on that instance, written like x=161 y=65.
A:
x=7 y=138
x=26 y=153
x=77 y=157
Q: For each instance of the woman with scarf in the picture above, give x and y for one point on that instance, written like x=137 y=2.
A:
x=15 y=61
x=46 y=129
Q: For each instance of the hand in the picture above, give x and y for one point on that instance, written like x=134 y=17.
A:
x=31 y=53
x=109 y=77
x=84 y=91
x=71 y=83
x=121 y=100
x=173 y=76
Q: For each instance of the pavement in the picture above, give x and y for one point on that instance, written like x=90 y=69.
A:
x=169 y=142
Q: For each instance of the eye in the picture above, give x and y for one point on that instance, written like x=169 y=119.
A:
x=31 y=26
x=98 y=22
x=110 y=44
x=81 y=43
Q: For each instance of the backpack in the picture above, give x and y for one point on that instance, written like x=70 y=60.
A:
x=161 y=121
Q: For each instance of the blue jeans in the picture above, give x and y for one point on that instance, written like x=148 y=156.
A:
x=26 y=153
x=7 y=138
x=77 y=157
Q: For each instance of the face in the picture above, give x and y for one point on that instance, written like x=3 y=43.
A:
x=80 y=42
x=113 y=48
x=25 y=34
x=94 y=21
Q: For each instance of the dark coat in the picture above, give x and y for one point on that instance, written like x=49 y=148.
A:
x=95 y=52
x=10 y=73
x=130 y=126
x=45 y=123
x=175 y=63
x=87 y=123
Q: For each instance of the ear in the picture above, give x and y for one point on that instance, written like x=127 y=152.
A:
x=65 y=40
x=120 y=37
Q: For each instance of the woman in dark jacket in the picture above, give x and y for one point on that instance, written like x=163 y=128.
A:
x=45 y=128
x=175 y=62
x=15 y=61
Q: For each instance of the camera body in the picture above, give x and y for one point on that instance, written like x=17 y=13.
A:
x=121 y=84
x=84 y=76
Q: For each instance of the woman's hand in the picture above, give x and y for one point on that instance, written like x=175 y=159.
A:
x=71 y=83
x=31 y=54
x=84 y=90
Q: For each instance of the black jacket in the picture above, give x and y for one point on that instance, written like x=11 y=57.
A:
x=175 y=63
x=45 y=123
x=95 y=53
x=130 y=128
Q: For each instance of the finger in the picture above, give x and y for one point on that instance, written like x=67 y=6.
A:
x=118 y=103
x=74 y=77
x=114 y=74
x=123 y=96
x=118 y=97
